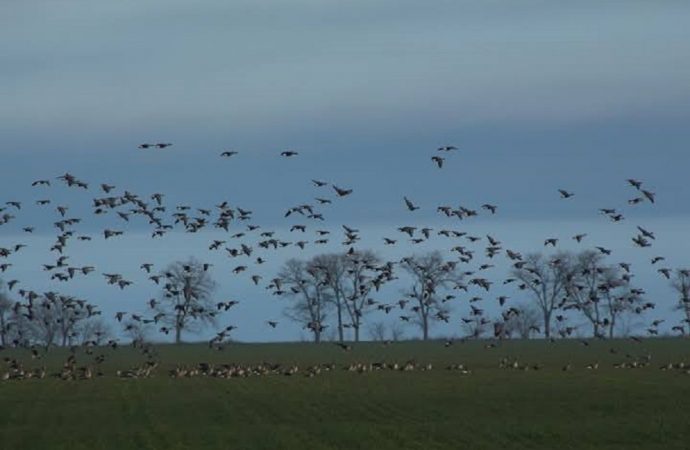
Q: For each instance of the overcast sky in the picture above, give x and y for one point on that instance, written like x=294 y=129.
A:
x=536 y=95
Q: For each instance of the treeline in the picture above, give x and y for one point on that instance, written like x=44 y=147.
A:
x=556 y=291
x=338 y=292
x=50 y=319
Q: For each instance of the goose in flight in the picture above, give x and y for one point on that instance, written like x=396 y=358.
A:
x=228 y=153
x=289 y=153
x=410 y=206
x=342 y=192
x=319 y=183
x=649 y=195
x=407 y=229
x=447 y=148
x=438 y=160
x=640 y=241
x=551 y=241
x=160 y=145
x=634 y=183
x=665 y=272
x=566 y=194
x=111 y=233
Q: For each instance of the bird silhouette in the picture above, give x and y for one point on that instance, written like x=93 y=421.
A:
x=342 y=192
x=410 y=205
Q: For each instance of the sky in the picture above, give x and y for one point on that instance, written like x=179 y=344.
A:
x=536 y=95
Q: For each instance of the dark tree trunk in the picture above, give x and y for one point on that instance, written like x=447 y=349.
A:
x=340 y=322
x=3 y=330
x=547 y=324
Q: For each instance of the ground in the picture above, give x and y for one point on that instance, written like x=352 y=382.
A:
x=493 y=407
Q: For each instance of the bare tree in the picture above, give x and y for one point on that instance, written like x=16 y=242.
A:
x=524 y=323
x=96 y=331
x=430 y=275
x=397 y=331
x=545 y=279
x=584 y=288
x=186 y=304
x=308 y=289
x=351 y=277
x=620 y=299
x=681 y=284
x=52 y=319
x=20 y=330
x=5 y=311
x=137 y=331
x=333 y=270
x=41 y=325
x=475 y=326
x=377 y=331
x=364 y=274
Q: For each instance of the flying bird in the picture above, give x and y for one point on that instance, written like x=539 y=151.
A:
x=342 y=192
x=565 y=194
x=438 y=160
x=410 y=205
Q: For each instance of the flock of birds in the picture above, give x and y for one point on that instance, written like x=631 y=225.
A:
x=247 y=245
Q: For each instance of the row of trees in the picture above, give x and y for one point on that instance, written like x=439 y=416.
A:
x=554 y=288
x=344 y=282
x=50 y=319
x=341 y=286
x=583 y=282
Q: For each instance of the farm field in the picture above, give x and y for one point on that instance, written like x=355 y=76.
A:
x=491 y=407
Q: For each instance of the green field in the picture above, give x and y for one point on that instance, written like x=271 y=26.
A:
x=490 y=408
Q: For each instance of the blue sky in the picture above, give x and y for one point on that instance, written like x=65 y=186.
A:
x=537 y=96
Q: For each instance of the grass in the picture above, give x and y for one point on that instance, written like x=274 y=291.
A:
x=491 y=408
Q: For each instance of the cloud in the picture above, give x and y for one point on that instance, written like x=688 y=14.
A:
x=258 y=65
